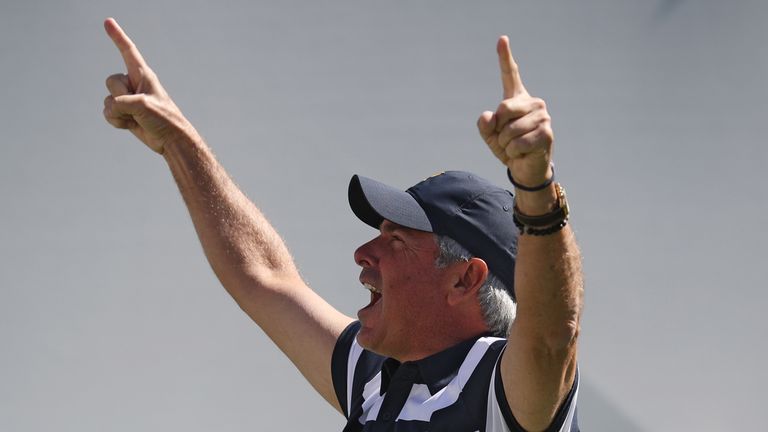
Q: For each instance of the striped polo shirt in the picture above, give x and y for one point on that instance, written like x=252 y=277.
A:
x=458 y=389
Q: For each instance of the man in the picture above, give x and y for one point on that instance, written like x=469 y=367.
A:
x=442 y=274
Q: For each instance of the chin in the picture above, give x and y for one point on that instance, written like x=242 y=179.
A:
x=364 y=338
x=367 y=339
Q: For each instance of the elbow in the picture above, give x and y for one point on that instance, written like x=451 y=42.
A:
x=563 y=338
x=550 y=331
x=249 y=284
x=566 y=324
x=559 y=333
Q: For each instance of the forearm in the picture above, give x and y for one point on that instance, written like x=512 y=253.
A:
x=539 y=369
x=548 y=278
x=243 y=249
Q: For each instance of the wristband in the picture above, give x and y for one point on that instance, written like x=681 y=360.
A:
x=534 y=188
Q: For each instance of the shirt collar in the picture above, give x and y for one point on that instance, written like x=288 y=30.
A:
x=436 y=371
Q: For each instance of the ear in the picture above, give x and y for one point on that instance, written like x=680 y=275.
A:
x=475 y=271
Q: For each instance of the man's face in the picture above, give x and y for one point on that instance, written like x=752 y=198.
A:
x=407 y=296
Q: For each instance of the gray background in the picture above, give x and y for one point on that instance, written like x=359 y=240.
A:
x=110 y=318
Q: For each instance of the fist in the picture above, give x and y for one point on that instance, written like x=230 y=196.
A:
x=519 y=133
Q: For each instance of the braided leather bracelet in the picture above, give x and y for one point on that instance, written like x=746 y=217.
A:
x=545 y=224
x=539 y=232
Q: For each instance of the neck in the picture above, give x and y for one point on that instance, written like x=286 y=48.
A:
x=443 y=336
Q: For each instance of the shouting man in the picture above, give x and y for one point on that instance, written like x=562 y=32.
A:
x=475 y=294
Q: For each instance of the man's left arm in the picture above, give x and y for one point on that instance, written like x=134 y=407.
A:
x=538 y=367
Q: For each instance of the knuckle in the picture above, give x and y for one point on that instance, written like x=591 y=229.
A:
x=143 y=100
x=508 y=105
x=542 y=136
x=549 y=134
x=503 y=137
x=511 y=151
x=113 y=122
x=113 y=79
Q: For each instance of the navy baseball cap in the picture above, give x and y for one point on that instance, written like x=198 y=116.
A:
x=458 y=204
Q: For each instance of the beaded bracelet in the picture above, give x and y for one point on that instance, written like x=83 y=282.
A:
x=539 y=232
x=534 y=188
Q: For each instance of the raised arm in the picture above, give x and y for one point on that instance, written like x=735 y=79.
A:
x=244 y=250
x=539 y=364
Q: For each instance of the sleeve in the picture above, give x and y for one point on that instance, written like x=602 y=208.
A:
x=340 y=361
x=351 y=368
x=500 y=418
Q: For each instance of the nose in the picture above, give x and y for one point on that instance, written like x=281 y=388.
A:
x=365 y=255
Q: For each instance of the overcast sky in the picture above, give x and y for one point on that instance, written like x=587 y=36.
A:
x=110 y=318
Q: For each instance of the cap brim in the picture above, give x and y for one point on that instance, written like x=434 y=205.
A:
x=373 y=201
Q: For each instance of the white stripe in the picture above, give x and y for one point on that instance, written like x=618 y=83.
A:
x=354 y=354
x=421 y=404
x=372 y=399
x=494 y=420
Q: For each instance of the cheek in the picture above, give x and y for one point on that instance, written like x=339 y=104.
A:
x=414 y=298
x=400 y=307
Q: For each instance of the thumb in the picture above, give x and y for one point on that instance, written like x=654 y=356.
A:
x=129 y=105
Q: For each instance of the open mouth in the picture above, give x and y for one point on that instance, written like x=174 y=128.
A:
x=375 y=297
x=375 y=294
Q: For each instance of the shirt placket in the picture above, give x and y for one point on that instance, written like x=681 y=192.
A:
x=397 y=394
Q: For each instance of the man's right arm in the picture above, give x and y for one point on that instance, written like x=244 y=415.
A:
x=246 y=253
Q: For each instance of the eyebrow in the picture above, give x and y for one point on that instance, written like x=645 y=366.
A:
x=391 y=227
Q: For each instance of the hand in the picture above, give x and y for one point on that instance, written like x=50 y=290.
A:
x=519 y=133
x=138 y=102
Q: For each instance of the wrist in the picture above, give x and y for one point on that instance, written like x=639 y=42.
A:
x=538 y=183
x=535 y=195
x=544 y=223
x=183 y=141
x=536 y=203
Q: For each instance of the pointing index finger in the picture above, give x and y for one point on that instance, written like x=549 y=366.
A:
x=510 y=74
x=134 y=62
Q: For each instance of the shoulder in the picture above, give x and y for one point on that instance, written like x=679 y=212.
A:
x=352 y=367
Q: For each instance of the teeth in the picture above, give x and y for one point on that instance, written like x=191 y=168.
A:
x=371 y=288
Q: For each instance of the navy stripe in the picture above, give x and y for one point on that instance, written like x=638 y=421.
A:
x=476 y=388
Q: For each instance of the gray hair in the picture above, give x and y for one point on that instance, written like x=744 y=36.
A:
x=495 y=301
